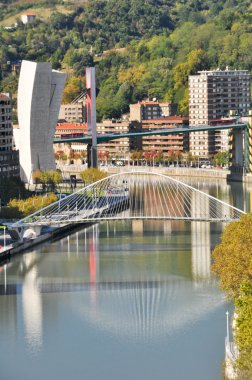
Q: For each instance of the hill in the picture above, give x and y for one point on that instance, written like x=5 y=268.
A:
x=163 y=41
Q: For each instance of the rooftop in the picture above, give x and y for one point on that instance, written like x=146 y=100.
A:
x=28 y=14
x=71 y=126
x=227 y=71
x=167 y=119
x=4 y=97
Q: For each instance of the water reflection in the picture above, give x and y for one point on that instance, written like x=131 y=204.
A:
x=149 y=310
x=32 y=304
x=139 y=292
x=129 y=288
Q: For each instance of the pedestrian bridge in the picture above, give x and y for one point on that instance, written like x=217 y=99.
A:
x=134 y=195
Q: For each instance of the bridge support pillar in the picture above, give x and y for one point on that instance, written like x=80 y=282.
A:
x=20 y=233
x=236 y=149
x=92 y=160
x=248 y=148
x=91 y=116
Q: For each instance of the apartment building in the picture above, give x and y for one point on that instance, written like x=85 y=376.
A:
x=166 y=144
x=9 y=159
x=149 y=110
x=212 y=95
x=118 y=148
x=72 y=113
x=67 y=131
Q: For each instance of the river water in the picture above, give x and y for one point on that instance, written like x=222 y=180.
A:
x=118 y=300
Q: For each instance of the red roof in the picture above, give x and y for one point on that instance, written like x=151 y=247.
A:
x=2 y=96
x=149 y=102
x=223 y=119
x=71 y=126
x=167 y=119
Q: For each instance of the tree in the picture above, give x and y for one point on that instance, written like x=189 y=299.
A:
x=32 y=204
x=50 y=179
x=221 y=158
x=36 y=177
x=73 y=88
x=136 y=155
x=232 y=257
x=243 y=336
x=91 y=175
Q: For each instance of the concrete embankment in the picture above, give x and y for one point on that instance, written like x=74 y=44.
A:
x=175 y=172
x=170 y=171
x=53 y=235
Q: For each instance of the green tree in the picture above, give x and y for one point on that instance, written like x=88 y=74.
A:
x=50 y=179
x=221 y=158
x=30 y=205
x=232 y=257
x=233 y=264
x=91 y=175
x=243 y=335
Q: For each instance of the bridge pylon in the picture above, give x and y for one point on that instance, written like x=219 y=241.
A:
x=240 y=150
x=91 y=116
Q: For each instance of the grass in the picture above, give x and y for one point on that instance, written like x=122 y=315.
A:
x=41 y=13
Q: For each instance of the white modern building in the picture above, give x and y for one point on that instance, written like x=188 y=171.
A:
x=39 y=96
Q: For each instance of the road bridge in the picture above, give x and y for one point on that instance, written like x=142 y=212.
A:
x=101 y=138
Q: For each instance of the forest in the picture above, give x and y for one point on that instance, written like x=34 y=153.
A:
x=140 y=48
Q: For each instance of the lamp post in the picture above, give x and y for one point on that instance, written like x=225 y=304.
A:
x=227 y=314
x=4 y=238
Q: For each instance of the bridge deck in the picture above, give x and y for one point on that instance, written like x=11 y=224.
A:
x=154 y=132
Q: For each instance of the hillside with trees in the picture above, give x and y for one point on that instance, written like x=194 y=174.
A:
x=140 y=48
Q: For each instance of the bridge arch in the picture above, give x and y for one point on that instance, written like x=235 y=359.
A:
x=135 y=195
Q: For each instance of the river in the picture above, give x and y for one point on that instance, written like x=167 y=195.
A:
x=119 y=300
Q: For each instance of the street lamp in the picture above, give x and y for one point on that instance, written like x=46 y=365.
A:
x=4 y=228
x=227 y=314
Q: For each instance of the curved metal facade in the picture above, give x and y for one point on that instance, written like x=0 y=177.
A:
x=39 y=96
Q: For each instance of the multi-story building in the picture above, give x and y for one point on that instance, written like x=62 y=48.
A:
x=166 y=144
x=212 y=95
x=121 y=147
x=149 y=110
x=9 y=160
x=67 y=131
x=118 y=148
x=73 y=112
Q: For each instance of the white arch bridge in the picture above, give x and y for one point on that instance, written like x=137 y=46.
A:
x=134 y=195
